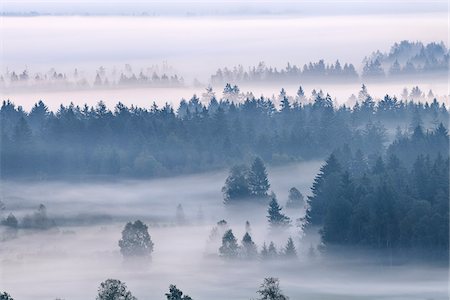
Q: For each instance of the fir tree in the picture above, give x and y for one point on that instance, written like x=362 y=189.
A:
x=289 y=249
x=249 y=250
x=275 y=217
x=229 y=248
x=257 y=179
x=236 y=185
x=272 y=252
x=270 y=290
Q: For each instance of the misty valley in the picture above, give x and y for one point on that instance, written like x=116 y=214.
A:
x=300 y=199
x=226 y=150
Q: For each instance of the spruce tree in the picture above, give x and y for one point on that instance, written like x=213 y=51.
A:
x=236 y=187
x=275 y=217
x=289 y=250
x=229 y=248
x=272 y=251
x=325 y=185
x=249 y=250
x=257 y=179
x=270 y=290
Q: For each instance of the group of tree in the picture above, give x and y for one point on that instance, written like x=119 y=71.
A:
x=400 y=201
x=247 y=184
x=52 y=79
x=408 y=59
x=38 y=220
x=404 y=59
x=248 y=250
x=139 y=142
x=291 y=73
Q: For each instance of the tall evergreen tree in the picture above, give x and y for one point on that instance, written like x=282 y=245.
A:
x=275 y=217
x=325 y=185
x=236 y=186
x=270 y=290
x=289 y=249
x=249 y=250
x=257 y=179
x=229 y=248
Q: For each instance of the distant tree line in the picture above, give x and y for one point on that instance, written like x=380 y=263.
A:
x=139 y=142
x=405 y=59
x=408 y=59
x=154 y=76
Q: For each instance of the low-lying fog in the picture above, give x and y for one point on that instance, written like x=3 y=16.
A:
x=72 y=261
x=144 y=97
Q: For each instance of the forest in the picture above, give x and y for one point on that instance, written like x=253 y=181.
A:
x=203 y=134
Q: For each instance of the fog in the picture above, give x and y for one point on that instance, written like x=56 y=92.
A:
x=197 y=46
x=144 y=97
x=71 y=262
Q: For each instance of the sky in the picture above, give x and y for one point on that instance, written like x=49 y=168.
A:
x=222 y=7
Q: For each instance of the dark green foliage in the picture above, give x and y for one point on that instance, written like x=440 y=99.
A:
x=257 y=179
x=323 y=189
x=249 y=185
x=229 y=248
x=113 y=289
x=399 y=204
x=275 y=217
x=176 y=294
x=270 y=290
x=236 y=187
x=136 y=240
x=139 y=142
x=5 y=296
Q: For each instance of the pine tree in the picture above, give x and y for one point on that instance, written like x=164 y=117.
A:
x=275 y=217
x=249 y=250
x=264 y=252
x=181 y=218
x=257 y=179
x=272 y=251
x=324 y=186
x=270 y=290
x=289 y=250
x=229 y=248
x=236 y=187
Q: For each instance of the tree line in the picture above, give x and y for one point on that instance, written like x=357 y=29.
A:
x=199 y=135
